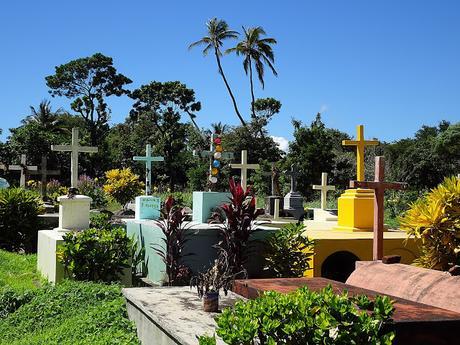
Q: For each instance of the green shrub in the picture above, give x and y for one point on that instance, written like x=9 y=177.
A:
x=19 y=222
x=96 y=254
x=100 y=220
x=123 y=185
x=306 y=317
x=92 y=188
x=288 y=254
x=11 y=300
x=70 y=313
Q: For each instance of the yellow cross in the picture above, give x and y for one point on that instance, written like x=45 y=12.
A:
x=360 y=144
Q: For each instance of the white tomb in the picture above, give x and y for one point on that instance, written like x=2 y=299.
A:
x=73 y=215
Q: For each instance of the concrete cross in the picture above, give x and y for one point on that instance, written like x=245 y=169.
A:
x=379 y=187
x=294 y=173
x=74 y=150
x=148 y=159
x=324 y=188
x=244 y=167
x=360 y=144
x=45 y=173
x=24 y=169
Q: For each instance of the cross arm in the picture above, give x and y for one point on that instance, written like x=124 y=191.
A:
x=61 y=148
x=48 y=172
x=378 y=185
x=88 y=149
x=349 y=142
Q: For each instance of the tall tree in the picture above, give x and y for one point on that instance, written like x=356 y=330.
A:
x=217 y=32
x=161 y=105
x=256 y=50
x=88 y=82
x=44 y=117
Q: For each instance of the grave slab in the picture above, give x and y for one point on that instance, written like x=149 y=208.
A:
x=414 y=323
x=205 y=202
x=172 y=315
x=147 y=207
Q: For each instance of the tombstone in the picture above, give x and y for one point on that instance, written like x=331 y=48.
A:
x=24 y=169
x=244 y=166
x=356 y=206
x=147 y=206
x=322 y=214
x=379 y=186
x=44 y=172
x=74 y=150
x=293 y=201
x=275 y=192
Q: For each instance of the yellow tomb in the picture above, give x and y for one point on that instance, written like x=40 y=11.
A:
x=356 y=206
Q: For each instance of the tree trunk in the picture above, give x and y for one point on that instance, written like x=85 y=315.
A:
x=221 y=71
x=252 y=89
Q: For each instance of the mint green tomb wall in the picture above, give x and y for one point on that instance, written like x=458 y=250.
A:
x=202 y=239
x=205 y=202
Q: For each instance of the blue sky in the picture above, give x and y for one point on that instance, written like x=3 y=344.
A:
x=390 y=65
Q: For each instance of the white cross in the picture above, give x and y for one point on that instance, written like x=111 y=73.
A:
x=45 y=173
x=74 y=150
x=244 y=167
x=148 y=159
x=23 y=168
x=324 y=188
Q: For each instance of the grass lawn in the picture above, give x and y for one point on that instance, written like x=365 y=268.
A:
x=33 y=312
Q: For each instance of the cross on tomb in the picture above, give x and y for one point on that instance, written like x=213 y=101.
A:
x=24 y=169
x=44 y=172
x=360 y=144
x=148 y=159
x=324 y=188
x=379 y=186
x=210 y=154
x=74 y=150
x=273 y=173
x=244 y=167
x=294 y=173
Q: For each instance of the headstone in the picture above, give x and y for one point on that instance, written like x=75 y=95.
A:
x=147 y=207
x=205 y=202
x=24 y=169
x=293 y=201
x=148 y=159
x=244 y=166
x=379 y=186
x=275 y=191
x=356 y=206
x=44 y=172
x=74 y=150
x=324 y=188
x=73 y=216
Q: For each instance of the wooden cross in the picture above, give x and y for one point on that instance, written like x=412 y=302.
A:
x=24 y=169
x=293 y=174
x=379 y=187
x=360 y=144
x=74 y=150
x=324 y=188
x=148 y=159
x=244 y=167
x=45 y=173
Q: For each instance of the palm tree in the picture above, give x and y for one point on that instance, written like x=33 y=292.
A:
x=257 y=51
x=218 y=31
x=43 y=116
x=219 y=127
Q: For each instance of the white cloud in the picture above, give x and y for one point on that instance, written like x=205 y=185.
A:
x=282 y=142
x=323 y=108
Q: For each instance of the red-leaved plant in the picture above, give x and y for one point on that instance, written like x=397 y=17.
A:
x=236 y=230
x=176 y=236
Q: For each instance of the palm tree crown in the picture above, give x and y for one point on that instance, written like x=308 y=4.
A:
x=217 y=32
x=258 y=51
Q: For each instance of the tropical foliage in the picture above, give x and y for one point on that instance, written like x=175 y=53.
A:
x=435 y=220
x=123 y=185
x=306 y=317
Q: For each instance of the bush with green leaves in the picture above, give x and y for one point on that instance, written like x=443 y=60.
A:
x=306 y=317
x=92 y=188
x=288 y=253
x=11 y=300
x=69 y=313
x=19 y=222
x=96 y=254
x=100 y=220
